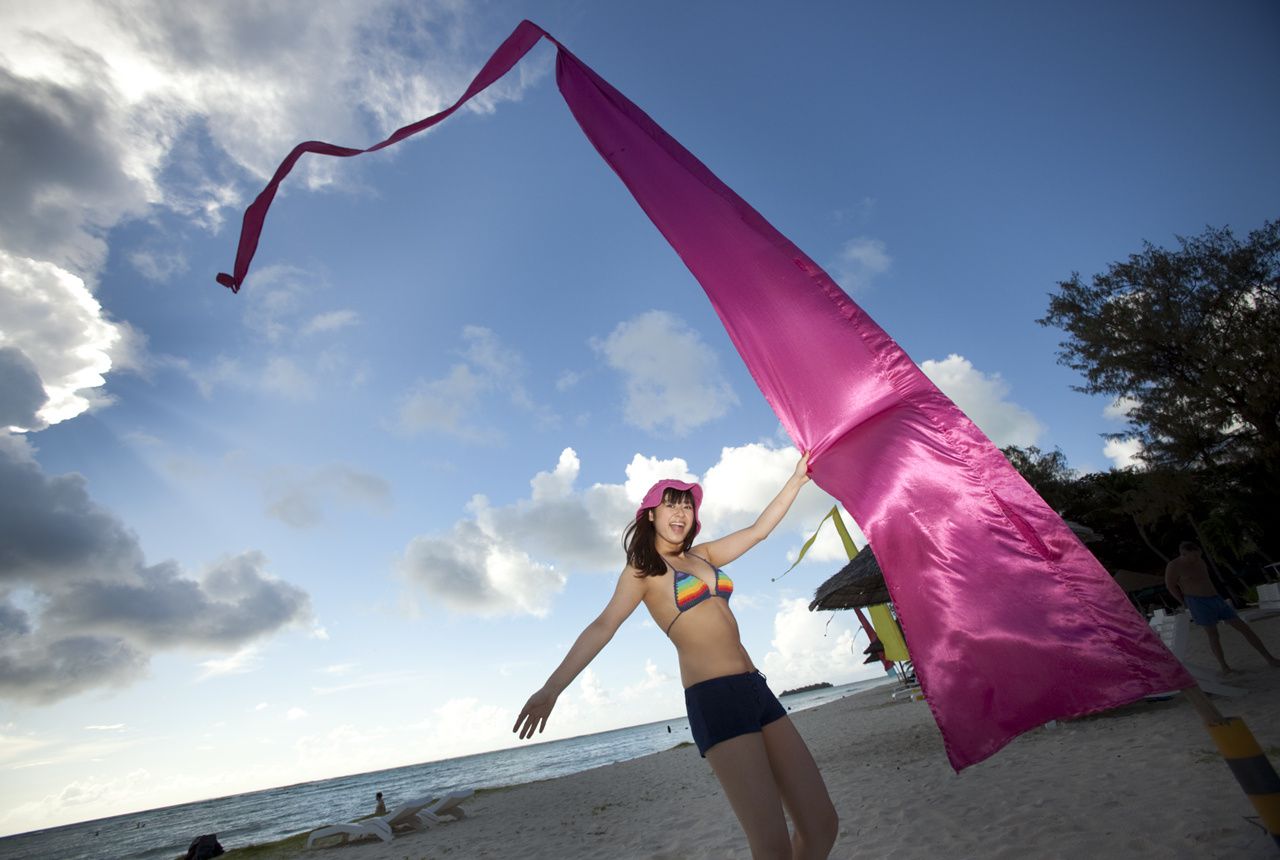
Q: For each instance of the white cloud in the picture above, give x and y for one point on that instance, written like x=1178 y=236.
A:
x=983 y=399
x=558 y=483
x=278 y=309
x=82 y=799
x=50 y=315
x=101 y=99
x=464 y=726
x=295 y=713
x=1124 y=453
x=860 y=260
x=672 y=379
x=299 y=498
x=331 y=321
x=19 y=747
x=643 y=472
x=274 y=299
x=476 y=572
x=333 y=751
x=745 y=480
x=568 y=379
x=592 y=691
x=449 y=404
x=511 y=558
x=340 y=668
x=809 y=647
x=445 y=405
x=1119 y=409
x=242 y=661
x=859 y=212
x=829 y=546
x=367 y=680
x=158 y=266
x=109 y=110
x=654 y=681
x=284 y=377
x=515 y=558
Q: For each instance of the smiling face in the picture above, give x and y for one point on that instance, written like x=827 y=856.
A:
x=674 y=520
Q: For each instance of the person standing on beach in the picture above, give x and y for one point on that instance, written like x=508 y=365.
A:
x=739 y=726
x=1187 y=579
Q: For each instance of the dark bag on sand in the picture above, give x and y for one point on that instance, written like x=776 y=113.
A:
x=204 y=847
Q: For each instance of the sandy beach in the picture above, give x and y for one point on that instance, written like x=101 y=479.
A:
x=1143 y=781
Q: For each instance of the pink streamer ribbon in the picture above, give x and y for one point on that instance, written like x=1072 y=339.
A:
x=1011 y=622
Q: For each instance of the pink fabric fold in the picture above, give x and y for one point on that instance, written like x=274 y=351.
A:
x=1011 y=622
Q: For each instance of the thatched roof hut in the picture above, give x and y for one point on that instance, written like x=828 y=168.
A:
x=859 y=583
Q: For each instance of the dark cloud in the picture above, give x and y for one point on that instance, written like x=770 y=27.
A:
x=13 y=622
x=51 y=530
x=582 y=531
x=235 y=602
x=453 y=570
x=62 y=172
x=43 y=672
x=21 y=392
x=97 y=612
x=472 y=572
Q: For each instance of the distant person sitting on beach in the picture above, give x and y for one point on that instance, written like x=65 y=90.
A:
x=739 y=726
x=1187 y=579
x=381 y=808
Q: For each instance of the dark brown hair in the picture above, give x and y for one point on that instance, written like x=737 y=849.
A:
x=638 y=543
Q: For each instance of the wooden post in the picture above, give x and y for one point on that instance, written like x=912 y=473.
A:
x=1209 y=714
x=1242 y=754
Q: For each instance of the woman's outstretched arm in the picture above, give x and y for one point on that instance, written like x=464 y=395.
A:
x=724 y=550
x=626 y=597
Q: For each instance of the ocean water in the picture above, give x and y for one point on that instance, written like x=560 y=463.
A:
x=265 y=816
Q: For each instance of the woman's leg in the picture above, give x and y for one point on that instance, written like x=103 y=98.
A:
x=746 y=775
x=802 y=789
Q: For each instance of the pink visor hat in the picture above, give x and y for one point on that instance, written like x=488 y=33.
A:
x=653 y=498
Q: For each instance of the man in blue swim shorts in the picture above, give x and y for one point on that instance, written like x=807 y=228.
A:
x=1187 y=579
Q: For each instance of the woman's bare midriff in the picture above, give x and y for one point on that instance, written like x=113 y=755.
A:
x=707 y=642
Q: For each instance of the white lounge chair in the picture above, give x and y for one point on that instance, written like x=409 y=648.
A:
x=1268 y=601
x=375 y=826
x=445 y=806
x=1175 y=632
x=413 y=815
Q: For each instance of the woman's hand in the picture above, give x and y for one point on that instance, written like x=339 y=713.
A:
x=802 y=468
x=535 y=713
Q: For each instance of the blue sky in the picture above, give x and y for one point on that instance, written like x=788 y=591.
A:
x=352 y=517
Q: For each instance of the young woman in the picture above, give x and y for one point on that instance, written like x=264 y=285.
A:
x=739 y=726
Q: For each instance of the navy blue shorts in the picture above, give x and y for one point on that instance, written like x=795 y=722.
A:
x=723 y=708
x=1208 y=611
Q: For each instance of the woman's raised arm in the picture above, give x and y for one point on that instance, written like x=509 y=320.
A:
x=724 y=550
x=626 y=597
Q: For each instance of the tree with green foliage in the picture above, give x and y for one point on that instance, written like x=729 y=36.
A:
x=1189 y=340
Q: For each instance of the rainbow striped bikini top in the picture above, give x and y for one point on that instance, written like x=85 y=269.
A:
x=690 y=590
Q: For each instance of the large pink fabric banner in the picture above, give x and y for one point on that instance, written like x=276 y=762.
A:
x=1010 y=620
